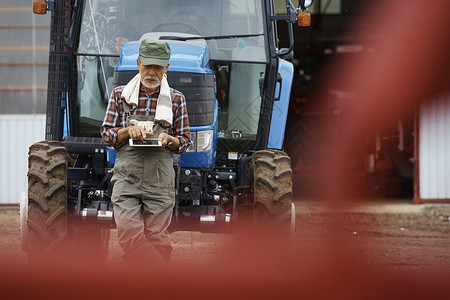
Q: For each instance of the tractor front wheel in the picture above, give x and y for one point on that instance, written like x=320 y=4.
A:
x=46 y=206
x=272 y=184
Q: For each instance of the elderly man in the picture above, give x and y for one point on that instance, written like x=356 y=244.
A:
x=144 y=194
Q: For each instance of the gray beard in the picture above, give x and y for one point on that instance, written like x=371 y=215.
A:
x=150 y=86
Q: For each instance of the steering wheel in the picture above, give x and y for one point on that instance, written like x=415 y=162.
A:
x=185 y=27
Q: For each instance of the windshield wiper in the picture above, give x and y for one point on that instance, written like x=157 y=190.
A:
x=210 y=37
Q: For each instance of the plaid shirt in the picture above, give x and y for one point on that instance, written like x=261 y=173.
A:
x=115 y=117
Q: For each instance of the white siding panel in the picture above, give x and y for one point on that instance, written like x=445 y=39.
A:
x=18 y=133
x=434 y=155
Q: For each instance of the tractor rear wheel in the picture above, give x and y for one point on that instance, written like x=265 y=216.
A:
x=272 y=184
x=46 y=224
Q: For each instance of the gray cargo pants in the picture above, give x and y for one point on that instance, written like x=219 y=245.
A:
x=143 y=198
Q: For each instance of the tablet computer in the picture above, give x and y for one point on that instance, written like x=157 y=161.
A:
x=148 y=142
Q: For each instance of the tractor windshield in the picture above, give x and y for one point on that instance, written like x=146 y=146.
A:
x=233 y=30
x=107 y=24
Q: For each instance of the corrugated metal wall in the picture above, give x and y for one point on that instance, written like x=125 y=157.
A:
x=24 y=50
x=434 y=150
x=17 y=132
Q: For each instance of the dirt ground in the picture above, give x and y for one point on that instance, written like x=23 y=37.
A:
x=383 y=235
x=190 y=247
x=383 y=238
x=391 y=237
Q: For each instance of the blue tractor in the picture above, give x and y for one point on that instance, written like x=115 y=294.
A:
x=227 y=63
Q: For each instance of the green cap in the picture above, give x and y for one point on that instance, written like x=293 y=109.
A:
x=154 y=52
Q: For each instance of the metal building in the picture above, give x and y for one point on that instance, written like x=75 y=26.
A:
x=433 y=167
x=24 y=47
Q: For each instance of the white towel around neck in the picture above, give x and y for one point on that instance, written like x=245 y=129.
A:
x=164 y=113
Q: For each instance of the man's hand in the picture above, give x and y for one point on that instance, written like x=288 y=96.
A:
x=138 y=133
x=165 y=139
x=133 y=132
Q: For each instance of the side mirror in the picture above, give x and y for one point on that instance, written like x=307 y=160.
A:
x=289 y=56
x=304 y=4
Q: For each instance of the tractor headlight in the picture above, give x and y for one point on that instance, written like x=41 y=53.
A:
x=201 y=141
